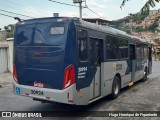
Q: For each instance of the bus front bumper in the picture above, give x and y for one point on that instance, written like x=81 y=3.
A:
x=62 y=96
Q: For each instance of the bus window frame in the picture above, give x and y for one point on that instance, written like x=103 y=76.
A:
x=106 y=49
x=145 y=47
x=57 y=31
x=118 y=37
x=141 y=46
x=127 y=46
x=102 y=55
x=82 y=28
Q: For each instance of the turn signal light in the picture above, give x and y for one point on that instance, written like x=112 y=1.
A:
x=15 y=74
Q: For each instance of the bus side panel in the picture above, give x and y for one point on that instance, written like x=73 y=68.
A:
x=113 y=68
x=70 y=49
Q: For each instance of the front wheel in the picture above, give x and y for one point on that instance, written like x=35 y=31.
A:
x=115 y=87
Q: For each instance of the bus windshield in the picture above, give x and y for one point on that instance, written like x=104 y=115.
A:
x=46 y=34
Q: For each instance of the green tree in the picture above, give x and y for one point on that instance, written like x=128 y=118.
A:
x=6 y=28
x=9 y=31
x=146 y=7
x=126 y=29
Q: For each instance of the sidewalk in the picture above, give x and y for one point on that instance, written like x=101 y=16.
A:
x=6 y=80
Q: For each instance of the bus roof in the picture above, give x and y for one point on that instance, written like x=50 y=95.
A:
x=100 y=28
x=112 y=31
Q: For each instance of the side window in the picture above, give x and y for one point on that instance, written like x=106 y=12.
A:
x=111 y=47
x=142 y=51
x=82 y=37
x=57 y=30
x=145 y=53
x=92 y=57
x=123 y=48
x=138 y=51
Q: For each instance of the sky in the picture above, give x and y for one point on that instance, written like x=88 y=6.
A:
x=107 y=9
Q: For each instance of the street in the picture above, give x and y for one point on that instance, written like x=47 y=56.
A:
x=143 y=96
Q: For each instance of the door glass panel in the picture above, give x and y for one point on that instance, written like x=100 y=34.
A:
x=94 y=52
x=82 y=45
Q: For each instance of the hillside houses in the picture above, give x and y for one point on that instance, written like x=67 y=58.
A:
x=148 y=21
x=141 y=29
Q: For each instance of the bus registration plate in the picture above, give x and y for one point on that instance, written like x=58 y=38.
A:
x=37 y=92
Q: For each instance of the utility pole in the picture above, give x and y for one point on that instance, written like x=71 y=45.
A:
x=80 y=7
x=80 y=10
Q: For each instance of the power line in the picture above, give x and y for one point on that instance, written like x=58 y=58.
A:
x=76 y=6
x=6 y=15
x=8 y=6
x=26 y=7
x=16 y=13
x=63 y=3
x=54 y=2
x=94 y=12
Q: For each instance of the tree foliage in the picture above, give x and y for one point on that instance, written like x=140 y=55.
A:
x=125 y=29
x=9 y=30
x=146 y=7
x=138 y=16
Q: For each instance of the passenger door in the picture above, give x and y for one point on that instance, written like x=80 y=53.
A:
x=95 y=66
x=149 y=60
x=132 y=49
x=83 y=63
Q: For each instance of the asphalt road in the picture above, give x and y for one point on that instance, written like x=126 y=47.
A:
x=143 y=96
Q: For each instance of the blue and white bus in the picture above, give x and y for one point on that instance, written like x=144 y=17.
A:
x=67 y=60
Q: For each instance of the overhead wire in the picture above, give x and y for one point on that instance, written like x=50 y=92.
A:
x=54 y=2
x=63 y=3
x=76 y=6
x=94 y=12
x=8 y=16
x=26 y=7
x=16 y=13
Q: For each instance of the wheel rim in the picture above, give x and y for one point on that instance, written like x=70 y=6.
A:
x=116 y=87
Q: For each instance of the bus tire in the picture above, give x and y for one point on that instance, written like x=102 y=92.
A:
x=115 y=87
x=145 y=75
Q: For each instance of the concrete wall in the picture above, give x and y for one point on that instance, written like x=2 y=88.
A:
x=9 y=44
x=3 y=58
x=10 y=55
